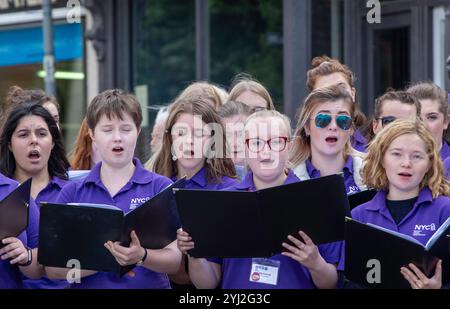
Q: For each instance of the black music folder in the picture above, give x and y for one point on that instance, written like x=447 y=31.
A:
x=79 y=231
x=368 y=243
x=360 y=198
x=14 y=211
x=254 y=224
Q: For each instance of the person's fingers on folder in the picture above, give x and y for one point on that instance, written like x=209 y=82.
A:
x=418 y=280
x=305 y=252
x=120 y=258
x=184 y=242
x=126 y=255
x=14 y=250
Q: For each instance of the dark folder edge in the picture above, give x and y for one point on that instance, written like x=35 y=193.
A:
x=22 y=191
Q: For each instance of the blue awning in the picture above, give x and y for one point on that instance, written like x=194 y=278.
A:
x=25 y=46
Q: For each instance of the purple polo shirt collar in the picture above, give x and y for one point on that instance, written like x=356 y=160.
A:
x=359 y=142
x=247 y=183
x=378 y=203
x=199 y=179
x=140 y=175
x=315 y=173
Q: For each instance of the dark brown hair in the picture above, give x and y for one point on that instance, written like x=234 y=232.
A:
x=113 y=102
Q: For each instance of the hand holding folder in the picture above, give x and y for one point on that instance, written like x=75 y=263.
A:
x=393 y=250
x=14 y=211
x=79 y=231
x=255 y=224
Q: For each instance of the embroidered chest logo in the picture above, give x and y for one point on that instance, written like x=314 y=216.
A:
x=420 y=229
x=135 y=202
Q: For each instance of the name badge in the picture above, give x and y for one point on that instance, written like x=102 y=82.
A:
x=264 y=271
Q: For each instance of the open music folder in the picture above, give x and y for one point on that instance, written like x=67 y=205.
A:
x=392 y=250
x=254 y=224
x=80 y=230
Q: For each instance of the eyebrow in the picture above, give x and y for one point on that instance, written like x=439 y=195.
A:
x=414 y=151
x=328 y=111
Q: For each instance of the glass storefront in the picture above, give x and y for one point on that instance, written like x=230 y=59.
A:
x=21 y=53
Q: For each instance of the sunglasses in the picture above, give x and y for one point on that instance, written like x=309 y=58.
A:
x=386 y=120
x=343 y=121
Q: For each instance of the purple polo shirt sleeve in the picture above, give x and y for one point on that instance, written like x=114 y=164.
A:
x=33 y=225
x=161 y=183
x=67 y=194
x=332 y=252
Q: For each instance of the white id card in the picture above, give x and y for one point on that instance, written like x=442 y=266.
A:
x=264 y=271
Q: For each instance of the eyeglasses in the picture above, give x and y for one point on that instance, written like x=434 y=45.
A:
x=257 y=145
x=343 y=121
x=386 y=120
x=181 y=132
x=258 y=109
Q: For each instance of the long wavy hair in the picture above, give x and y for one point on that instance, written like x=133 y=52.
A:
x=215 y=167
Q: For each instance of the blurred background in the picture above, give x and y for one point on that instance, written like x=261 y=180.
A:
x=155 y=48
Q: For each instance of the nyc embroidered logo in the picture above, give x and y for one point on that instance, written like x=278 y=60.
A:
x=352 y=189
x=135 y=202
x=419 y=229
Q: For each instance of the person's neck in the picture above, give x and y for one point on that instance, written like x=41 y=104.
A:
x=261 y=184
x=189 y=173
x=327 y=165
x=40 y=179
x=118 y=175
x=439 y=145
x=396 y=195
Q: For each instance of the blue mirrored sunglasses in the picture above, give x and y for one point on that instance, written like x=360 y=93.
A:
x=343 y=121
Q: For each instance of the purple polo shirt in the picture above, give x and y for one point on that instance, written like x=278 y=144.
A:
x=447 y=168
x=51 y=191
x=359 y=142
x=350 y=184
x=142 y=186
x=10 y=276
x=426 y=211
x=291 y=274
x=199 y=181
x=48 y=194
x=445 y=151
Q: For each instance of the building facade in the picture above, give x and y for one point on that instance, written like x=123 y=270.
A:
x=155 y=48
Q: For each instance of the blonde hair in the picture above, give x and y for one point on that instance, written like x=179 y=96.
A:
x=373 y=173
x=243 y=83
x=204 y=91
x=270 y=114
x=301 y=149
x=215 y=167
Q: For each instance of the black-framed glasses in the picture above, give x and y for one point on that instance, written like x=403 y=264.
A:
x=343 y=121
x=387 y=120
x=257 y=144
